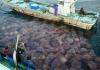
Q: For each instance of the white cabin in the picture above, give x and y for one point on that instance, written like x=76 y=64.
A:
x=65 y=7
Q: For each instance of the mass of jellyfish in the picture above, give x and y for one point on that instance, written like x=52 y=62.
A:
x=50 y=47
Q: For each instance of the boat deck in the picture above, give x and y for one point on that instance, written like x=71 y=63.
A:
x=4 y=65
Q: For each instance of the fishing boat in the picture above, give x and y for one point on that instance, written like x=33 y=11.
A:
x=40 y=9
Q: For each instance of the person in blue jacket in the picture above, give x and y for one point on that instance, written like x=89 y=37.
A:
x=29 y=64
x=1 y=54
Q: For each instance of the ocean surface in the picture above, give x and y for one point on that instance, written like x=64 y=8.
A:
x=90 y=5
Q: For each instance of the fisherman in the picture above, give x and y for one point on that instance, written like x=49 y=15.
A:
x=8 y=53
x=29 y=64
x=19 y=54
x=82 y=12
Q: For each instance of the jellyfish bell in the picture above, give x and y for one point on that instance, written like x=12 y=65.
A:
x=63 y=60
